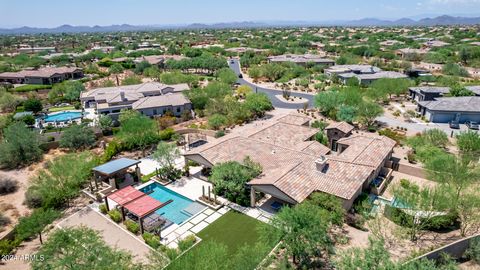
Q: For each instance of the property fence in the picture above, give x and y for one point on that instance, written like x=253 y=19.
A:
x=455 y=250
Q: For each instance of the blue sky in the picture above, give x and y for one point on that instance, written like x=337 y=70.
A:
x=50 y=13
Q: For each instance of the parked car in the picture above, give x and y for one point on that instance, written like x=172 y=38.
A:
x=454 y=124
x=240 y=76
x=472 y=125
x=232 y=62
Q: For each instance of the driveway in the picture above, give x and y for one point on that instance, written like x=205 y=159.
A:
x=271 y=93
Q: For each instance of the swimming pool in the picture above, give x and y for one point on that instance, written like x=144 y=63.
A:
x=63 y=116
x=180 y=209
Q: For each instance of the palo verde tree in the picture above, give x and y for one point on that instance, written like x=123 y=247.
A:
x=81 y=248
x=137 y=131
x=35 y=223
x=20 y=146
x=303 y=229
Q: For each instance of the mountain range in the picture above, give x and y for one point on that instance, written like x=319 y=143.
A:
x=440 y=20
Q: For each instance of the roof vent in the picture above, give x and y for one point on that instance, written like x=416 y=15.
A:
x=122 y=95
x=320 y=163
x=273 y=151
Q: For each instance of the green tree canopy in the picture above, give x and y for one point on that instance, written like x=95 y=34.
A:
x=20 y=146
x=230 y=178
x=62 y=179
x=34 y=223
x=66 y=91
x=81 y=249
x=77 y=137
x=32 y=105
x=137 y=130
x=226 y=75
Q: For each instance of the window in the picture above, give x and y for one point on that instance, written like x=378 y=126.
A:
x=154 y=111
x=178 y=109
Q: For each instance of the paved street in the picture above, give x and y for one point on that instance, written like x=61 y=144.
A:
x=235 y=66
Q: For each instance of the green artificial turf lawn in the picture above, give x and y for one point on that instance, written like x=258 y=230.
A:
x=232 y=229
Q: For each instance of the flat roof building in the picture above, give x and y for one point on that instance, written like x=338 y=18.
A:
x=301 y=59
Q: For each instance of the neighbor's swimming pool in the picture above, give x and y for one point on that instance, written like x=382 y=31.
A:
x=180 y=209
x=63 y=116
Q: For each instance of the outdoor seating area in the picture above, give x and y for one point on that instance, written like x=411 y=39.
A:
x=117 y=173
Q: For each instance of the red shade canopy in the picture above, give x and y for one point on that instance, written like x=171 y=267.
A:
x=143 y=206
x=125 y=195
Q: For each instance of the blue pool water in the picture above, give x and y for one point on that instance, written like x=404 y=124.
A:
x=173 y=211
x=63 y=116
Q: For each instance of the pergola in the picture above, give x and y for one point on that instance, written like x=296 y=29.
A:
x=142 y=207
x=113 y=168
x=136 y=202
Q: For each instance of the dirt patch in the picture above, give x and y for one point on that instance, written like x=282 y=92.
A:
x=12 y=204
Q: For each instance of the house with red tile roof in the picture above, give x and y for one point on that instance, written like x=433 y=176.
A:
x=294 y=166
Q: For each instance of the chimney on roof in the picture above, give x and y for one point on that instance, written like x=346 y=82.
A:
x=321 y=162
x=122 y=95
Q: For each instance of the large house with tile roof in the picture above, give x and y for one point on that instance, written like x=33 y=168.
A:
x=294 y=165
x=47 y=75
x=150 y=99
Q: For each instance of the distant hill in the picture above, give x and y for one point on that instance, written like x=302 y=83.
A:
x=440 y=20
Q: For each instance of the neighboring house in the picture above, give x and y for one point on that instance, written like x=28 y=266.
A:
x=366 y=74
x=429 y=93
x=390 y=42
x=294 y=166
x=48 y=75
x=244 y=49
x=151 y=99
x=426 y=93
x=300 y=59
x=446 y=109
x=435 y=43
x=158 y=60
x=408 y=52
x=29 y=49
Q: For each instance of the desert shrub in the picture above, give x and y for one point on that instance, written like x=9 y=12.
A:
x=132 y=226
x=4 y=220
x=7 y=185
x=115 y=215
x=473 y=251
x=166 y=134
x=33 y=199
x=103 y=209
x=187 y=242
x=319 y=124
x=113 y=148
x=151 y=240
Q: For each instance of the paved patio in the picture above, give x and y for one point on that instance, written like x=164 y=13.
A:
x=113 y=234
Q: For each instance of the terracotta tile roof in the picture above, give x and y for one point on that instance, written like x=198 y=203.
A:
x=295 y=119
x=342 y=126
x=46 y=72
x=291 y=165
x=287 y=135
x=366 y=149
